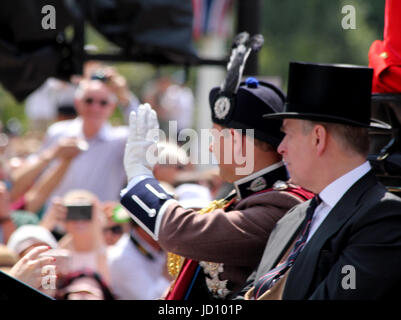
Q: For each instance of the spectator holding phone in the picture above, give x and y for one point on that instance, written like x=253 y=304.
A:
x=54 y=218
x=84 y=224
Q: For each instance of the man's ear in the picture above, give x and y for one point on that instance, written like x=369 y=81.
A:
x=155 y=170
x=319 y=138
x=239 y=142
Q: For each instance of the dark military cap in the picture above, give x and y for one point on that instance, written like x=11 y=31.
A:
x=245 y=108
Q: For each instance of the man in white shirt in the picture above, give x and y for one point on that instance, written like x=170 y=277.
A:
x=98 y=168
x=137 y=267
x=345 y=243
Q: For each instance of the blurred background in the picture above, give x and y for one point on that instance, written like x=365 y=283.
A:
x=68 y=67
x=293 y=30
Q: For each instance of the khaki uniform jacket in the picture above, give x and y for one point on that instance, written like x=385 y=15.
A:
x=236 y=238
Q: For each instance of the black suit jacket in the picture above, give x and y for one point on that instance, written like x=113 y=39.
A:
x=362 y=233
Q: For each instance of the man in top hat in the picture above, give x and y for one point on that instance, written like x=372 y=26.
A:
x=229 y=238
x=345 y=243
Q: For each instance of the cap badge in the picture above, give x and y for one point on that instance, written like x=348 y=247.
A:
x=222 y=107
x=258 y=184
x=280 y=185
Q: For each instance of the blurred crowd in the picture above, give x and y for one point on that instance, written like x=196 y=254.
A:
x=60 y=186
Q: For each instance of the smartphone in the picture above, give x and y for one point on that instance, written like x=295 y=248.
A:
x=79 y=212
x=63 y=259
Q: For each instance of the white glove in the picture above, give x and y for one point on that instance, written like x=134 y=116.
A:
x=139 y=159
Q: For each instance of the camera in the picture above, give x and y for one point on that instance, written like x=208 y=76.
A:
x=79 y=212
x=100 y=75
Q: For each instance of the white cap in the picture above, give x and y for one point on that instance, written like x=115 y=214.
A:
x=28 y=235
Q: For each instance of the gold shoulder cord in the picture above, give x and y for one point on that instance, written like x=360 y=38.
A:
x=174 y=261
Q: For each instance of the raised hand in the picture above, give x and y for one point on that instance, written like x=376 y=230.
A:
x=141 y=142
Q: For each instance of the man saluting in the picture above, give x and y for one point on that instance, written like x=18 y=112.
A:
x=229 y=238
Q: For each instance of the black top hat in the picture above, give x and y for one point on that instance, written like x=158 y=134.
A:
x=330 y=93
x=245 y=108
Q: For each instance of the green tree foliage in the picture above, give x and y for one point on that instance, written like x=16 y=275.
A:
x=307 y=30
x=311 y=30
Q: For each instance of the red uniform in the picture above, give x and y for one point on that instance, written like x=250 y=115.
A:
x=385 y=56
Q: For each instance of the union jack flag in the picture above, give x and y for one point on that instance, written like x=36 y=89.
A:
x=211 y=17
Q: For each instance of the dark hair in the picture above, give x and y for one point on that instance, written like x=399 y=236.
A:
x=71 y=277
x=263 y=145
x=355 y=139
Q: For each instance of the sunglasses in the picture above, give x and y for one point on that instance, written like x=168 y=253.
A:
x=102 y=102
x=116 y=229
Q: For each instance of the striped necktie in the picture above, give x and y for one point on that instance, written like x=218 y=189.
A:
x=267 y=281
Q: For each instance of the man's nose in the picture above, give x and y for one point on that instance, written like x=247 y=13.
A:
x=281 y=147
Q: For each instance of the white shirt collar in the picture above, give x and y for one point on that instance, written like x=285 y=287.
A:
x=77 y=125
x=105 y=131
x=332 y=193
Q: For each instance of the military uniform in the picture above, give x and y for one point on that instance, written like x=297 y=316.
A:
x=227 y=238
x=228 y=242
